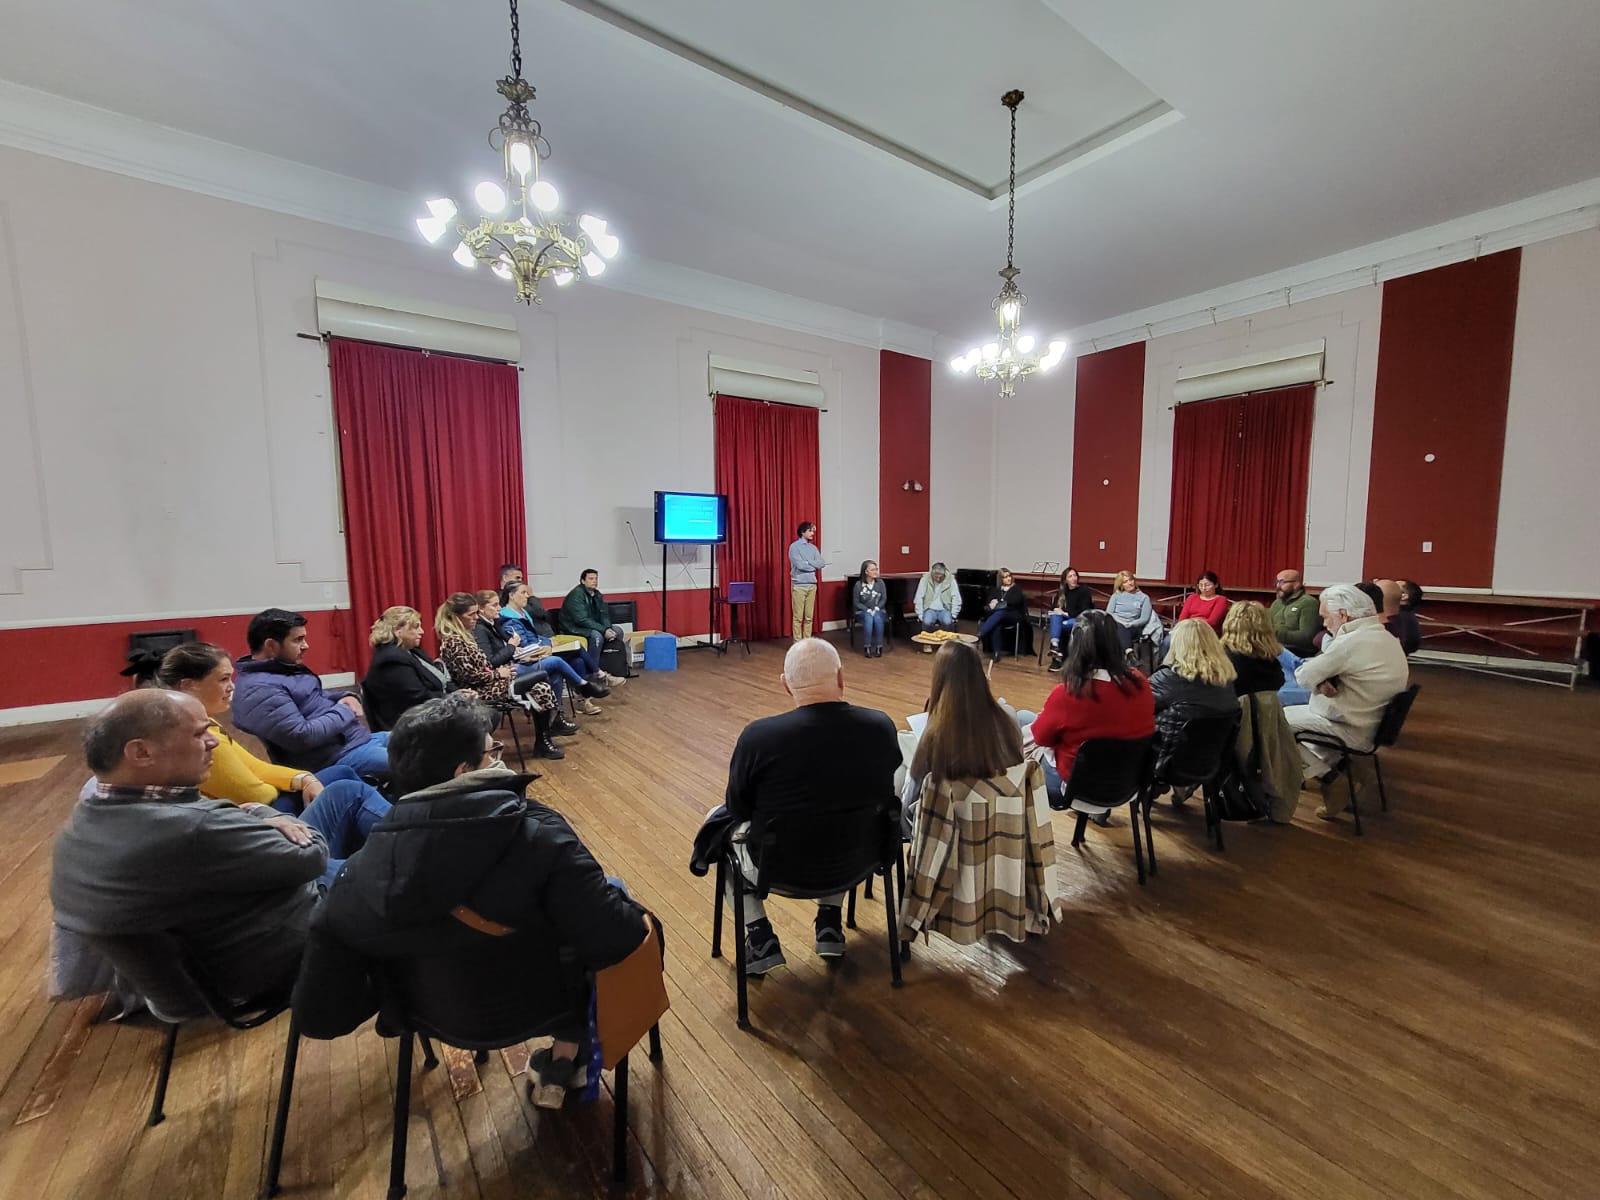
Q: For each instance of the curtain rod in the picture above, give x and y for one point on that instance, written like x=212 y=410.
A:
x=323 y=337
x=1257 y=392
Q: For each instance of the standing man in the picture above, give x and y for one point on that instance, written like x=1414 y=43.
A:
x=585 y=614
x=805 y=560
x=1295 y=618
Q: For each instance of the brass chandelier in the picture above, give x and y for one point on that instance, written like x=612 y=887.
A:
x=1010 y=357
x=520 y=233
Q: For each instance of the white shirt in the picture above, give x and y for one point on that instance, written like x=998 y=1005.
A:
x=1372 y=670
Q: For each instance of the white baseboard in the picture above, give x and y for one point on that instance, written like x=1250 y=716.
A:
x=73 y=710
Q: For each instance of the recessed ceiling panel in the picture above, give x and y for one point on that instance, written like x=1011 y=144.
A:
x=921 y=80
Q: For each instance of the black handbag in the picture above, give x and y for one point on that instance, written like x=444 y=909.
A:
x=1236 y=793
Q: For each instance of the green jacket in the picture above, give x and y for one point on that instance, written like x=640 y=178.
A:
x=585 y=613
x=1296 y=622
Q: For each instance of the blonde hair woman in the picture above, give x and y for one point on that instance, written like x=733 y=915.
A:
x=1196 y=681
x=459 y=651
x=1252 y=646
x=401 y=674
x=1131 y=610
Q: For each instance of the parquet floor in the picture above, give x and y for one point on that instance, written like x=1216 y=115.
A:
x=1412 y=1014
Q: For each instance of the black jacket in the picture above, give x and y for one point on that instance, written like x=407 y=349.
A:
x=1012 y=600
x=471 y=845
x=1073 y=601
x=1255 y=674
x=397 y=679
x=1180 y=699
x=494 y=643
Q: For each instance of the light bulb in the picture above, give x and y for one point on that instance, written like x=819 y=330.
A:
x=1005 y=355
x=444 y=209
x=544 y=196
x=432 y=228
x=463 y=255
x=520 y=156
x=991 y=351
x=491 y=197
x=1025 y=344
x=959 y=363
x=593 y=264
x=592 y=225
x=607 y=243
x=562 y=276
x=1059 y=347
x=1008 y=310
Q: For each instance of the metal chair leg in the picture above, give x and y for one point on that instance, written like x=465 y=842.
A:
x=716 y=911
x=402 y=1118
x=1077 y=834
x=655 y=1042
x=280 y=1122
x=158 y=1103
x=516 y=739
x=430 y=1060
x=1149 y=835
x=900 y=890
x=619 y=1137
x=1138 y=852
x=894 y=931
x=1350 y=785
x=868 y=891
x=739 y=940
x=850 y=910
x=480 y=1057
x=1377 y=768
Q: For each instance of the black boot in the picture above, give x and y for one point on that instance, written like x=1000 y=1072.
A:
x=561 y=727
x=543 y=747
x=594 y=689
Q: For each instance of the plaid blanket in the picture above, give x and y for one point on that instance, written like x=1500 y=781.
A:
x=978 y=858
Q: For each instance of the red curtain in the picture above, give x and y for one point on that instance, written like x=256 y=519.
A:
x=430 y=455
x=767 y=466
x=1240 y=466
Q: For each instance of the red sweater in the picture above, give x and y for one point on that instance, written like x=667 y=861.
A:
x=1210 y=611
x=1105 y=711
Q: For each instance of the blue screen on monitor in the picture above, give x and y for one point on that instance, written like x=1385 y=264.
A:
x=691 y=517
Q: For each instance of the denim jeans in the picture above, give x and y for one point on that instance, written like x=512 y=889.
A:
x=344 y=814
x=1060 y=623
x=557 y=672
x=996 y=623
x=872 y=628
x=938 y=618
x=369 y=758
x=1291 y=692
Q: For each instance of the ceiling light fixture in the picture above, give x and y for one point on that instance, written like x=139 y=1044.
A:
x=1012 y=357
x=519 y=234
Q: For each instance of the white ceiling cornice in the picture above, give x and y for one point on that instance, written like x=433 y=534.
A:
x=51 y=125
x=1522 y=223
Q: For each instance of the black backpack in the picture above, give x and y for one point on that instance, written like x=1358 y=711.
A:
x=1236 y=793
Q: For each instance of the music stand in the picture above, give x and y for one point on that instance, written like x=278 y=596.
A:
x=738 y=593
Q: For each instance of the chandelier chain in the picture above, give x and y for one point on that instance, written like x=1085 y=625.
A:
x=516 y=42
x=1011 y=212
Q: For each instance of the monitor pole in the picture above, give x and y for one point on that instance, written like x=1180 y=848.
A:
x=664 y=628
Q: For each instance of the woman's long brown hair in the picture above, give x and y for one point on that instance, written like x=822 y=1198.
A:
x=968 y=736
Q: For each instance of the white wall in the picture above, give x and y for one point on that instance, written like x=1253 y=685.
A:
x=961 y=470
x=1033 y=476
x=1550 y=487
x=168 y=445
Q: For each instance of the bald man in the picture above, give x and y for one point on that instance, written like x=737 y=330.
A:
x=145 y=853
x=1295 y=617
x=1397 y=616
x=824 y=757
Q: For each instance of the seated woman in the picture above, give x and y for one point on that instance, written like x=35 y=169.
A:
x=983 y=837
x=870 y=602
x=1099 y=696
x=500 y=648
x=339 y=804
x=1252 y=646
x=1132 y=611
x=1071 y=601
x=401 y=675
x=516 y=618
x=1206 y=602
x=468 y=668
x=1196 y=681
x=1005 y=608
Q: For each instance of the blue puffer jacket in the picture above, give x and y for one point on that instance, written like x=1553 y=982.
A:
x=284 y=705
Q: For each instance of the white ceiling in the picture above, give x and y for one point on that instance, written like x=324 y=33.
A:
x=1308 y=128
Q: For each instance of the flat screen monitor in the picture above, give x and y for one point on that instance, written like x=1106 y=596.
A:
x=697 y=518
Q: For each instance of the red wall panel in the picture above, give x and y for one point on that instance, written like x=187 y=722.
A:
x=62 y=663
x=1444 y=376
x=1108 y=422
x=905 y=401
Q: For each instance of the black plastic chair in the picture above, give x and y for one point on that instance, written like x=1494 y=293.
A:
x=159 y=968
x=1106 y=774
x=420 y=1001
x=1394 y=720
x=1196 y=758
x=806 y=857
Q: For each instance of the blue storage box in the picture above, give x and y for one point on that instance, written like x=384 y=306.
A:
x=661 y=652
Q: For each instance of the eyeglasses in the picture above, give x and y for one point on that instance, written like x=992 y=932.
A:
x=496 y=749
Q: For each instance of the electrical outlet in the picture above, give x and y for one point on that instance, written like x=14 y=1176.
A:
x=1427 y=547
x=905 y=549
x=1102 y=545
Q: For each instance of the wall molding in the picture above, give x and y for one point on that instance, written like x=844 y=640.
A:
x=74 y=710
x=56 y=127
x=1523 y=222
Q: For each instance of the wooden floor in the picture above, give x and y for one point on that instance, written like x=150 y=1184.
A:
x=1415 y=1013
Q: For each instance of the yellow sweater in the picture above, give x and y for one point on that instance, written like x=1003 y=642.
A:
x=240 y=776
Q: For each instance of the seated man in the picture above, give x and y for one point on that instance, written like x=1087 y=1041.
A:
x=486 y=903
x=509 y=573
x=1294 y=615
x=585 y=614
x=1361 y=668
x=280 y=700
x=145 y=853
x=938 y=600
x=1400 y=598
x=826 y=756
